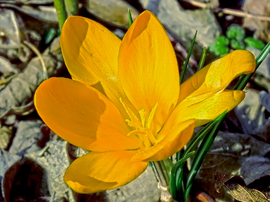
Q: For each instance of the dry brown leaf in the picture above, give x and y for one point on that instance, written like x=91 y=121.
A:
x=245 y=194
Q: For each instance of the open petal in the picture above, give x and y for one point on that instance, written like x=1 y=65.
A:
x=82 y=115
x=217 y=75
x=97 y=172
x=148 y=68
x=205 y=108
x=173 y=139
x=90 y=52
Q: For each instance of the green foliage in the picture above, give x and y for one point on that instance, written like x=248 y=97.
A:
x=220 y=46
x=184 y=68
x=130 y=20
x=254 y=43
x=222 y=40
x=237 y=45
x=177 y=176
x=235 y=32
x=49 y=35
x=235 y=40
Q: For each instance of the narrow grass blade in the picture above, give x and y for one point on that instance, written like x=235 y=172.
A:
x=202 y=60
x=201 y=153
x=184 y=68
x=176 y=176
x=201 y=134
x=130 y=20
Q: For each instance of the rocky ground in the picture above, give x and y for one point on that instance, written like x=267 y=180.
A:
x=33 y=159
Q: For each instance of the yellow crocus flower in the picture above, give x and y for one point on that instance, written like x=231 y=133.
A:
x=136 y=112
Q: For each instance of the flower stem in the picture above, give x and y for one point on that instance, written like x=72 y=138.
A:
x=161 y=172
x=64 y=9
x=71 y=7
x=61 y=12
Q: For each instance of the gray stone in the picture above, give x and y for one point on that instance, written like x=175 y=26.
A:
x=112 y=11
x=26 y=137
x=6 y=67
x=250 y=112
x=143 y=189
x=9 y=29
x=265 y=100
x=184 y=23
x=45 y=13
x=255 y=167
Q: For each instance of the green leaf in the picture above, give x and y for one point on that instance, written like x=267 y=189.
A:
x=177 y=176
x=220 y=46
x=184 y=68
x=49 y=35
x=202 y=150
x=130 y=20
x=222 y=40
x=218 y=49
x=254 y=43
x=237 y=45
x=235 y=32
x=202 y=60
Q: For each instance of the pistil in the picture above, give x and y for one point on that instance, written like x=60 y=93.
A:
x=141 y=128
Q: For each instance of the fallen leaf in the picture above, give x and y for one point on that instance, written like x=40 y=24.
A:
x=244 y=194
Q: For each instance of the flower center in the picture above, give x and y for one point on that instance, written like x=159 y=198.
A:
x=141 y=127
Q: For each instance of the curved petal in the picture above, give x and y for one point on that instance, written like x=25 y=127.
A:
x=206 y=107
x=148 y=69
x=175 y=139
x=97 y=172
x=217 y=75
x=82 y=115
x=90 y=52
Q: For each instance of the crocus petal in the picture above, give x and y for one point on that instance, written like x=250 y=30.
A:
x=176 y=137
x=97 y=172
x=148 y=68
x=91 y=55
x=204 y=109
x=82 y=115
x=217 y=75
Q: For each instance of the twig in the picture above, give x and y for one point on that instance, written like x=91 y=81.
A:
x=228 y=10
x=36 y=51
